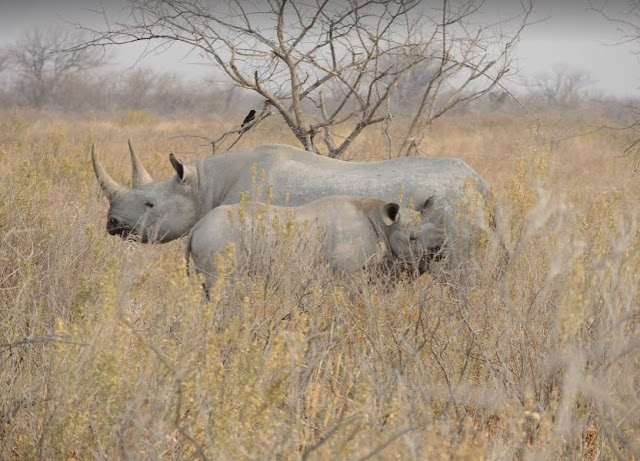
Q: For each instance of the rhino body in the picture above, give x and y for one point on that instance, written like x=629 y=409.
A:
x=351 y=233
x=165 y=210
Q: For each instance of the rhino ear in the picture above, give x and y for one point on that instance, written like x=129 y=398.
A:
x=183 y=172
x=177 y=165
x=428 y=205
x=390 y=213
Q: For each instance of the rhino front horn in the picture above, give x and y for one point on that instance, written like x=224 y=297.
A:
x=110 y=187
x=140 y=176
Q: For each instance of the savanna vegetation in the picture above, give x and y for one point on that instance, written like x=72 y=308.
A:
x=108 y=351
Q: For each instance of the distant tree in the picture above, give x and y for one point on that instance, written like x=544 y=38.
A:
x=498 y=97
x=42 y=58
x=563 y=86
x=331 y=68
x=3 y=59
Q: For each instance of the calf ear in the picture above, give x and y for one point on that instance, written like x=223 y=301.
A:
x=428 y=205
x=182 y=171
x=390 y=213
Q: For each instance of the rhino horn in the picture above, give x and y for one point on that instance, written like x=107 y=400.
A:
x=140 y=175
x=110 y=187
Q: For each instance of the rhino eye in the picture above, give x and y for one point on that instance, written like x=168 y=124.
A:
x=413 y=237
x=149 y=205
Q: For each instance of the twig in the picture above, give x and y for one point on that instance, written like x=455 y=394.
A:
x=177 y=378
x=325 y=438
x=387 y=442
x=240 y=129
x=41 y=339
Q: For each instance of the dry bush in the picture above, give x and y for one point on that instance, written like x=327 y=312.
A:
x=108 y=351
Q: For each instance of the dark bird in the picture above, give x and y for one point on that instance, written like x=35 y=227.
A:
x=249 y=118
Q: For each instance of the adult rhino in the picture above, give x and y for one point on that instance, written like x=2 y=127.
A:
x=161 y=211
x=352 y=233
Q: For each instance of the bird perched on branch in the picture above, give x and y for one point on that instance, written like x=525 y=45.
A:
x=249 y=118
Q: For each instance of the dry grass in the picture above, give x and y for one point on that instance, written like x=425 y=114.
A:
x=107 y=350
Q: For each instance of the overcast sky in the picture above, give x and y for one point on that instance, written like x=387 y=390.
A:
x=571 y=36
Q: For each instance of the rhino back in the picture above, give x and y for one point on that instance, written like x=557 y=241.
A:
x=340 y=224
x=302 y=177
x=349 y=237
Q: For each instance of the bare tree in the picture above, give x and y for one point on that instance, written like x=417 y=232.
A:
x=563 y=86
x=626 y=15
x=331 y=68
x=41 y=59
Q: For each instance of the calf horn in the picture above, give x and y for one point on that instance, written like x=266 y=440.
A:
x=140 y=176
x=110 y=187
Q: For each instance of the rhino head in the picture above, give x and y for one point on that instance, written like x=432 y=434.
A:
x=415 y=237
x=150 y=211
x=429 y=239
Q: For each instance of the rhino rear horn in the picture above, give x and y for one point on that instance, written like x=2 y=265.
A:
x=110 y=186
x=140 y=176
x=390 y=213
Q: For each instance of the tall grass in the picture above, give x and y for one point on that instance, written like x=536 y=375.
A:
x=107 y=350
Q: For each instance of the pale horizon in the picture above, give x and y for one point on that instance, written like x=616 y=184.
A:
x=568 y=35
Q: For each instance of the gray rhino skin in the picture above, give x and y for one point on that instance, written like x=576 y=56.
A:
x=353 y=233
x=162 y=211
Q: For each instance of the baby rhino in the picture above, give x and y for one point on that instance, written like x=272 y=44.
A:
x=353 y=233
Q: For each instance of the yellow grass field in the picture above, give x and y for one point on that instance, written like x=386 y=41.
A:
x=107 y=350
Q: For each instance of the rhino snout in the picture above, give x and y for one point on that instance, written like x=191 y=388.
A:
x=433 y=254
x=117 y=227
x=112 y=223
